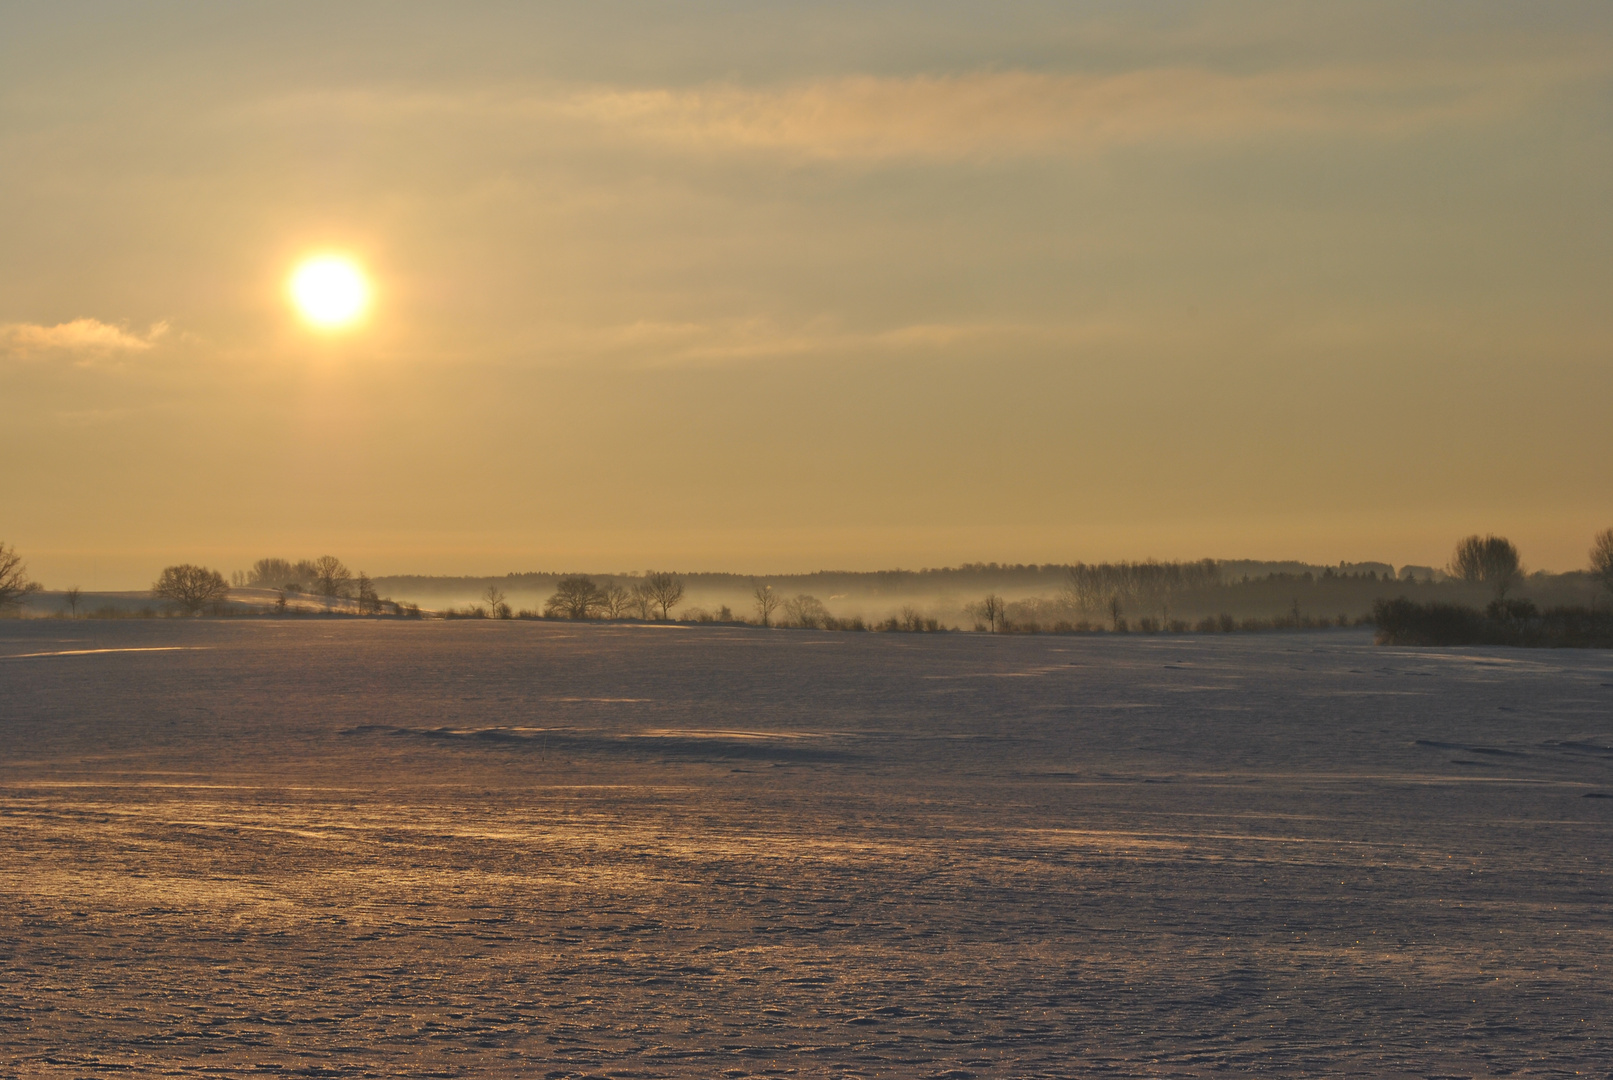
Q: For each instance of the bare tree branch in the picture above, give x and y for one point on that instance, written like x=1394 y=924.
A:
x=14 y=583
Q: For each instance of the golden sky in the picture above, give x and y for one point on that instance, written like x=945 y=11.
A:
x=774 y=287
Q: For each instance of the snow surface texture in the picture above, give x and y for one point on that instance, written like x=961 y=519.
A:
x=516 y=849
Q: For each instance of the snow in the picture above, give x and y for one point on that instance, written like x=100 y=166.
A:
x=538 y=849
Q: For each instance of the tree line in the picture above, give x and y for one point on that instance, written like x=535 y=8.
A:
x=1154 y=592
x=578 y=597
x=1113 y=592
x=1493 y=562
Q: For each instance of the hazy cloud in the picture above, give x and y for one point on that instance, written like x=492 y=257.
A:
x=85 y=340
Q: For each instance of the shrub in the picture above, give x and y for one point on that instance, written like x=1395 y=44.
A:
x=1577 y=627
x=1511 y=610
x=1505 y=622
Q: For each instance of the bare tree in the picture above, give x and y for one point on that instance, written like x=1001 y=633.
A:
x=1116 y=610
x=1487 y=560
x=575 y=597
x=767 y=602
x=991 y=610
x=807 y=611
x=665 y=591
x=369 y=601
x=14 y=583
x=331 y=577
x=271 y=574
x=641 y=601
x=72 y=596
x=495 y=603
x=1602 y=558
x=616 y=601
x=190 y=587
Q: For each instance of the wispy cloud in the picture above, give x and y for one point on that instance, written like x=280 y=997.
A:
x=760 y=339
x=988 y=113
x=82 y=340
x=736 y=341
x=1020 y=112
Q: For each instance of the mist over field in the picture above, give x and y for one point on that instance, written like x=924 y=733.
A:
x=1034 y=594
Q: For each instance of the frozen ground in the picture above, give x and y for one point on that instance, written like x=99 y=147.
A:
x=517 y=849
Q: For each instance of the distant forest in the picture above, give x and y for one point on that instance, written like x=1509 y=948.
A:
x=1485 y=578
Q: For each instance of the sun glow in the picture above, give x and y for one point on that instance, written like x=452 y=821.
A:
x=330 y=291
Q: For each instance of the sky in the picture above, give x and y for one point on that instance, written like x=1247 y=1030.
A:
x=770 y=287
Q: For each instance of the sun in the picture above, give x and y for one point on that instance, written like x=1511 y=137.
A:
x=330 y=291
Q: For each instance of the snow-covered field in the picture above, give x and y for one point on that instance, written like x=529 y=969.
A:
x=536 y=849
